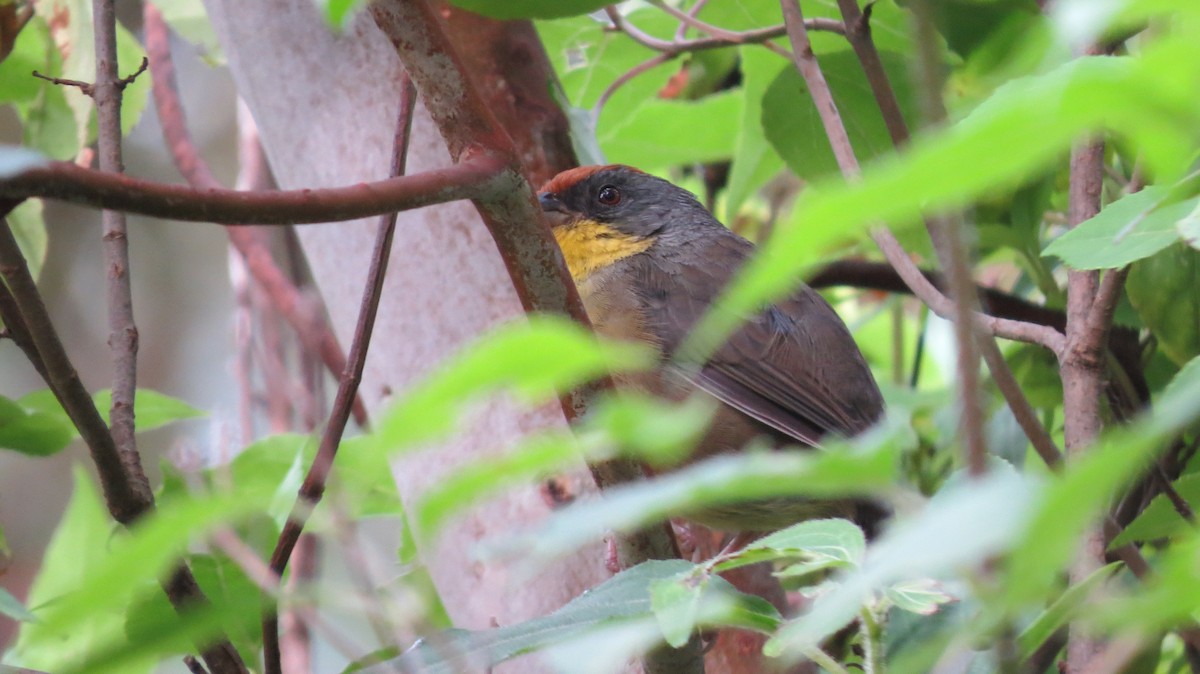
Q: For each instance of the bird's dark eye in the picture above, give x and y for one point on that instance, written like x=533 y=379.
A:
x=609 y=195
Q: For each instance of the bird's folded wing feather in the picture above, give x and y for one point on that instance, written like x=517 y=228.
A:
x=794 y=367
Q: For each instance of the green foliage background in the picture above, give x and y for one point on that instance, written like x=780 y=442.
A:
x=1018 y=98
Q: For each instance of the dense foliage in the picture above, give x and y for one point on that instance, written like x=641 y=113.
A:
x=972 y=567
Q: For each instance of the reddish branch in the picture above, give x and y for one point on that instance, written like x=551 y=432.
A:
x=479 y=176
x=718 y=37
x=315 y=335
x=513 y=217
x=515 y=223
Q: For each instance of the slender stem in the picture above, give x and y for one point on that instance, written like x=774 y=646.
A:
x=872 y=641
x=313 y=487
x=825 y=661
x=479 y=176
x=723 y=38
x=123 y=334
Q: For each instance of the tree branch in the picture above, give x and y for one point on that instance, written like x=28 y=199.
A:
x=481 y=175
x=516 y=224
x=313 y=487
x=315 y=335
x=122 y=330
x=719 y=37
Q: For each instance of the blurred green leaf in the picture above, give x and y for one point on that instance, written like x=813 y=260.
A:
x=80 y=597
x=80 y=543
x=1160 y=519
x=189 y=19
x=365 y=478
x=531 y=9
x=1127 y=230
x=1166 y=601
x=1062 y=610
x=841 y=470
x=32 y=432
x=923 y=596
x=1072 y=501
x=754 y=160
x=623 y=602
x=29 y=52
x=12 y=607
x=534 y=358
x=1162 y=288
x=793 y=127
x=945 y=536
x=29 y=228
x=1019 y=129
x=151 y=408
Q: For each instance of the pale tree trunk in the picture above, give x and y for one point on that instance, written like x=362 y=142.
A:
x=326 y=107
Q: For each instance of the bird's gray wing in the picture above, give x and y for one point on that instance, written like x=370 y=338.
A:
x=794 y=367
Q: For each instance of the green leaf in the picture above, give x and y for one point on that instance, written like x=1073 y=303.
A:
x=619 y=609
x=1160 y=519
x=821 y=544
x=754 y=160
x=1162 y=288
x=29 y=228
x=922 y=596
x=1189 y=228
x=151 y=408
x=364 y=477
x=12 y=607
x=80 y=542
x=1062 y=610
x=1127 y=230
x=838 y=471
x=1023 y=126
x=1072 y=501
x=793 y=127
x=662 y=133
x=32 y=432
x=76 y=597
x=945 y=536
x=535 y=358
x=683 y=602
x=530 y=9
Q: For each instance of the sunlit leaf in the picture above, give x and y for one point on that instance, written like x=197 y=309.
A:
x=921 y=595
x=747 y=476
x=754 y=160
x=32 y=432
x=663 y=133
x=190 y=19
x=1127 y=230
x=535 y=358
x=151 y=408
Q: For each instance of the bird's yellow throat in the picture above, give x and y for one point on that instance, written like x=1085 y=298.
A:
x=590 y=246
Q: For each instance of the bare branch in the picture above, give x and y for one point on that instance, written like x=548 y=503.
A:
x=719 y=37
x=313 y=487
x=479 y=176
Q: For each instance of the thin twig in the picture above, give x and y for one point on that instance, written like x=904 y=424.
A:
x=761 y=36
x=122 y=330
x=644 y=66
x=313 y=487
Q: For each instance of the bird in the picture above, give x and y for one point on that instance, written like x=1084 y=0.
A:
x=648 y=260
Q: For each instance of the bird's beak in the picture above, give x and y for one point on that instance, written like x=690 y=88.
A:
x=555 y=211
